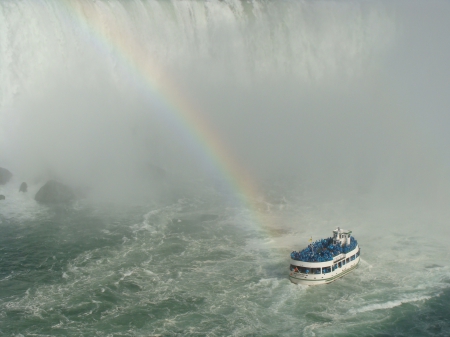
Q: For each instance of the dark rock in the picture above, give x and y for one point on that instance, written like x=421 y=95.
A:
x=156 y=172
x=2 y=197
x=5 y=175
x=23 y=187
x=54 y=192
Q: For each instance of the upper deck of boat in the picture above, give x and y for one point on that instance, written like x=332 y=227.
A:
x=326 y=251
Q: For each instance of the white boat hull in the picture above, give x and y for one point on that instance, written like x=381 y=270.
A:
x=316 y=279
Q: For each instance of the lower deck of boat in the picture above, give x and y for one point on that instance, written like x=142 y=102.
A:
x=315 y=279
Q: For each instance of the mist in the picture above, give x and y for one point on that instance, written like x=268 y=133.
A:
x=339 y=100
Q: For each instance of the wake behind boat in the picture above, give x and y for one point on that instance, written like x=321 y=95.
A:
x=325 y=260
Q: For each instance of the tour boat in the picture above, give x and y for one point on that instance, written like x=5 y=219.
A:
x=325 y=260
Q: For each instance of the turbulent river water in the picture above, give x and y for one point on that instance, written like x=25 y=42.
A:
x=195 y=267
x=206 y=141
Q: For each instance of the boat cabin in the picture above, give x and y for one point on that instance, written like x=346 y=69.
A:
x=341 y=237
x=325 y=269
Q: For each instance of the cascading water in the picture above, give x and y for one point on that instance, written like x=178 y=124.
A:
x=121 y=54
x=163 y=113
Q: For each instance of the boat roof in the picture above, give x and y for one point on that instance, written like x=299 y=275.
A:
x=342 y=231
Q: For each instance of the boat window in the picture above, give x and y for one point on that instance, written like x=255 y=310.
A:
x=326 y=270
x=343 y=262
x=302 y=270
x=340 y=264
x=348 y=260
x=335 y=267
x=352 y=257
x=357 y=254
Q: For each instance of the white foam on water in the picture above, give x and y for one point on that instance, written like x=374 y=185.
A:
x=388 y=305
x=19 y=205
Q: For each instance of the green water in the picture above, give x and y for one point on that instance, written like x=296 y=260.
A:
x=192 y=268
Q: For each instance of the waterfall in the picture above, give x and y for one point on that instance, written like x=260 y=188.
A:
x=281 y=83
x=239 y=39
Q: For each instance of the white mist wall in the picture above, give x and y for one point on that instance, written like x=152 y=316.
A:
x=301 y=91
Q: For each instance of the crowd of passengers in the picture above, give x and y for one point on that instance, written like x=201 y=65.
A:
x=325 y=270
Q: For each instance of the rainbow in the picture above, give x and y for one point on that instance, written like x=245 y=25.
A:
x=181 y=113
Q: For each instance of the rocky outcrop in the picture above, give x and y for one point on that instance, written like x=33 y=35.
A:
x=23 y=187
x=54 y=192
x=5 y=175
x=156 y=172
